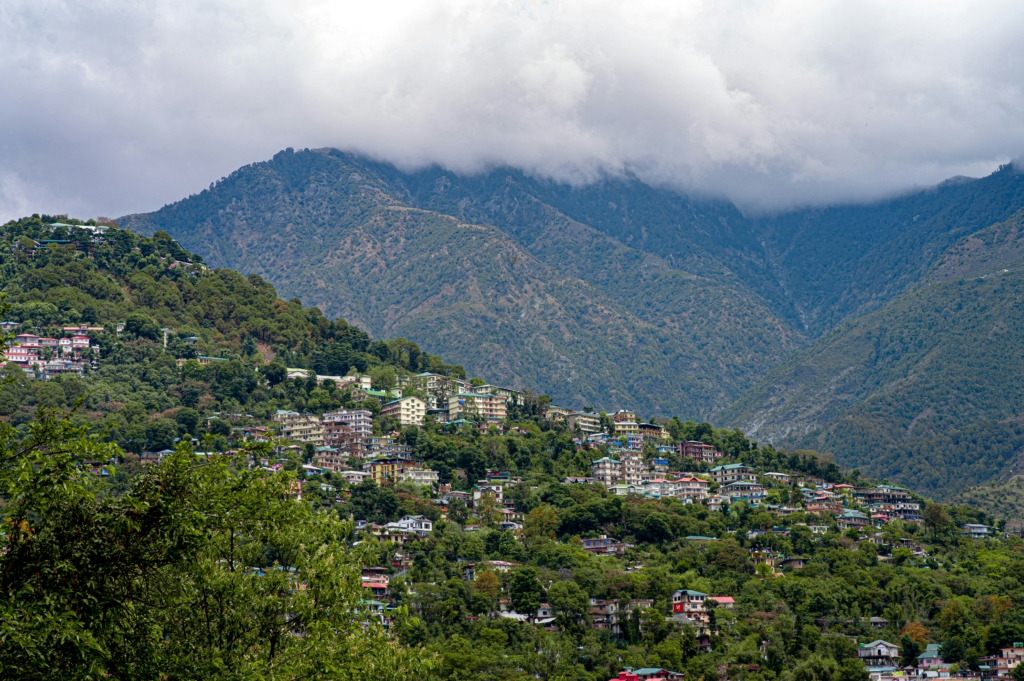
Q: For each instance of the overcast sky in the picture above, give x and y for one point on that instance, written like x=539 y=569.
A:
x=117 y=106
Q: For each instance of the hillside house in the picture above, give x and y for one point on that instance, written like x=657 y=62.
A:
x=733 y=472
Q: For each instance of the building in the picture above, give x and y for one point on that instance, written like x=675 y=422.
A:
x=408 y=411
x=354 y=477
x=331 y=459
x=419 y=476
x=690 y=487
x=653 y=432
x=879 y=653
x=690 y=604
x=733 y=472
x=975 y=531
x=1005 y=662
x=588 y=422
x=388 y=471
x=852 y=520
x=778 y=477
x=931 y=657
x=698 y=451
x=604 y=615
x=339 y=436
x=359 y=420
x=632 y=468
x=607 y=471
x=626 y=423
x=413 y=524
x=491 y=408
x=605 y=545
x=750 y=492
x=300 y=427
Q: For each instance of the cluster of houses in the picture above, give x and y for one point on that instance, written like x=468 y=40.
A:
x=882 y=660
x=45 y=357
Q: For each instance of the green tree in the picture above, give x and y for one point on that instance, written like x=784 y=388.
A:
x=160 y=434
x=145 y=584
x=570 y=605
x=525 y=592
x=188 y=419
x=141 y=326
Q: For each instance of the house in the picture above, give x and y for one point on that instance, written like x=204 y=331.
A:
x=794 y=563
x=750 y=492
x=354 y=477
x=578 y=480
x=690 y=604
x=778 y=477
x=931 y=658
x=480 y=491
x=408 y=411
x=852 y=520
x=698 y=451
x=653 y=432
x=418 y=476
x=660 y=466
x=733 y=472
x=726 y=602
x=360 y=421
x=625 y=422
x=603 y=615
x=331 y=459
x=715 y=502
x=651 y=673
x=691 y=487
x=1005 y=662
x=413 y=524
x=975 y=531
x=608 y=471
x=388 y=471
x=605 y=545
x=879 y=653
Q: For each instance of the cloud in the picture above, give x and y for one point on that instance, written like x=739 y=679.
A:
x=114 y=106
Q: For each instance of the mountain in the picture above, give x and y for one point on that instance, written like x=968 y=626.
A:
x=862 y=329
x=510 y=286
x=928 y=389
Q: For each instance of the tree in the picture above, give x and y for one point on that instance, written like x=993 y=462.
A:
x=570 y=605
x=160 y=434
x=141 y=326
x=541 y=523
x=188 y=419
x=525 y=591
x=88 y=315
x=143 y=584
x=275 y=373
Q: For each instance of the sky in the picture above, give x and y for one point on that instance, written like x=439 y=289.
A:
x=116 y=106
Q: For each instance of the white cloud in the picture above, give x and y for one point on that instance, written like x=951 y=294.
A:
x=115 y=105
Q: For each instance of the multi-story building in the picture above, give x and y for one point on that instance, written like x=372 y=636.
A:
x=733 y=472
x=690 y=605
x=698 y=451
x=359 y=420
x=606 y=470
x=588 y=422
x=1005 y=662
x=331 y=458
x=419 y=476
x=485 y=405
x=341 y=437
x=653 y=432
x=690 y=487
x=408 y=411
x=632 y=468
x=482 y=490
x=625 y=423
x=300 y=427
x=603 y=615
x=389 y=471
x=743 y=490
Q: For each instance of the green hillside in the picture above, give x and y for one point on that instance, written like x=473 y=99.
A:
x=67 y=276
x=553 y=303
x=927 y=390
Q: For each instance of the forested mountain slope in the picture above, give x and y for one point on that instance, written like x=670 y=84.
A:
x=546 y=301
x=928 y=390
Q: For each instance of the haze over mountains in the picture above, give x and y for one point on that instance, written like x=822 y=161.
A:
x=862 y=330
